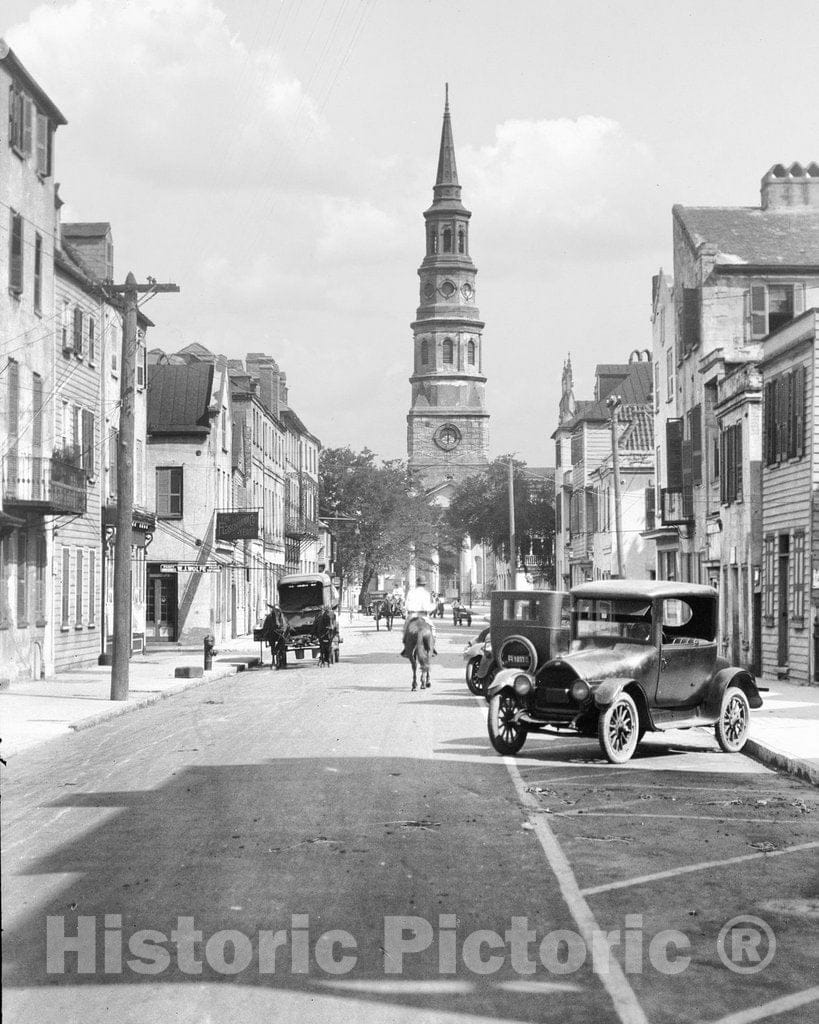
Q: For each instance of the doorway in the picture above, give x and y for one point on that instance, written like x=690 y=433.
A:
x=160 y=622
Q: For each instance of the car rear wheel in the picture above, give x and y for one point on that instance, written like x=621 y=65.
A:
x=507 y=736
x=734 y=721
x=476 y=686
x=618 y=729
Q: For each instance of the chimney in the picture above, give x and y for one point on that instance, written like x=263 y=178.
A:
x=266 y=369
x=792 y=188
x=283 y=394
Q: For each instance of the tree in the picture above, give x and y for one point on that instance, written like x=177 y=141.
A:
x=387 y=515
x=480 y=508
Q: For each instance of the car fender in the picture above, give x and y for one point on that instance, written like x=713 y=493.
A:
x=505 y=680
x=610 y=689
x=731 y=676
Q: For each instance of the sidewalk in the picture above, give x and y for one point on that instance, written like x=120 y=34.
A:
x=785 y=730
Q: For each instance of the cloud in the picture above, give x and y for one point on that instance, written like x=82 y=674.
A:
x=162 y=91
x=554 y=186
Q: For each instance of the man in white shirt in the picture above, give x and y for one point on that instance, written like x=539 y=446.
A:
x=419 y=603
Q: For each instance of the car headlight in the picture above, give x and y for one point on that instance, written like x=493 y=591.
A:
x=580 y=691
x=523 y=684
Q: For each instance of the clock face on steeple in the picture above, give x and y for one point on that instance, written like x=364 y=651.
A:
x=447 y=437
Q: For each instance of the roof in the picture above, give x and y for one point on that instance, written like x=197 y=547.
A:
x=15 y=66
x=639 y=434
x=289 y=417
x=94 y=229
x=179 y=398
x=648 y=589
x=635 y=389
x=447 y=171
x=751 y=236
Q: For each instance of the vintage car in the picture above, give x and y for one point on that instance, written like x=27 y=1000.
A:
x=643 y=656
x=301 y=598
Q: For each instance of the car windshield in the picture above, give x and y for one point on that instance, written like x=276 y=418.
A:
x=617 y=620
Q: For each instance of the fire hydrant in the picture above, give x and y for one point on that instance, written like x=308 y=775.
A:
x=209 y=651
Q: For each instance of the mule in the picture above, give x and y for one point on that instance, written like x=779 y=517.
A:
x=275 y=634
x=384 y=610
x=419 y=642
x=324 y=629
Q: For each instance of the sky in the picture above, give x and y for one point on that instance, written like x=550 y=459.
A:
x=274 y=159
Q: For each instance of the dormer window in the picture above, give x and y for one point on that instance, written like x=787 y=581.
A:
x=448 y=350
x=447 y=239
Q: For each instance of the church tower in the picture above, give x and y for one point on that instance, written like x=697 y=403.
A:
x=447 y=425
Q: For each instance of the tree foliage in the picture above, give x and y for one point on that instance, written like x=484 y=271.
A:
x=386 y=516
x=480 y=507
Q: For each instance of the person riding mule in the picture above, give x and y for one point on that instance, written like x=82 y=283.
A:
x=274 y=633
x=419 y=605
x=324 y=628
x=420 y=641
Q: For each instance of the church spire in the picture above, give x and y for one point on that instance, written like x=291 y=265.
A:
x=446 y=180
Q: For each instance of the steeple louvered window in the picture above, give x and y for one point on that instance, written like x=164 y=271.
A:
x=424 y=352
x=448 y=351
x=461 y=241
x=447 y=239
x=470 y=353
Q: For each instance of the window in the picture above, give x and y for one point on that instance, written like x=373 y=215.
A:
x=78 y=589
x=22 y=578
x=695 y=437
x=77 y=333
x=115 y=343
x=773 y=305
x=669 y=375
x=731 y=460
x=447 y=239
x=461 y=241
x=424 y=352
x=15 y=118
x=656 y=386
x=92 y=339
x=65 y=585
x=470 y=353
x=769 y=580
x=169 y=493
x=798 y=561
x=433 y=241
x=92 y=586
x=448 y=350
x=224 y=432
x=16 y=253
x=38 y=272
x=784 y=411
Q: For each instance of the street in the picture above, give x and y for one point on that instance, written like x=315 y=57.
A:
x=372 y=859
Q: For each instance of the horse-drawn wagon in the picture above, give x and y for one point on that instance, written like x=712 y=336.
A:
x=302 y=601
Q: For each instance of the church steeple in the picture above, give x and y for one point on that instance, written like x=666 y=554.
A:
x=446 y=181
x=448 y=424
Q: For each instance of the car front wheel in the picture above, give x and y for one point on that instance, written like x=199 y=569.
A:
x=618 y=729
x=734 y=720
x=506 y=734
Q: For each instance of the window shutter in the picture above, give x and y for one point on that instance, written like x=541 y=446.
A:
x=37 y=412
x=42 y=145
x=769 y=412
x=16 y=253
x=674 y=441
x=113 y=460
x=13 y=422
x=88 y=442
x=692 y=302
x=92 y=339
x=78 y=330
x=650 y=507
x=738 y=461
x=687 y=481
x=723 y=480
x=769 y=580
x=28 y=115
x=799 y=403
x=695 y=429
x=783 y=416
x=759 y=311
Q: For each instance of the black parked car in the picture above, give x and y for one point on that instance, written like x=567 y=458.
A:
x=643 y=656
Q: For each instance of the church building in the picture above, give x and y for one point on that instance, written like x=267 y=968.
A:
x=448 y=424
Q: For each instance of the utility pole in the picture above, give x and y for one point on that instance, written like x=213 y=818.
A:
x=123 y=598
x=513 y=565
x=613 y=403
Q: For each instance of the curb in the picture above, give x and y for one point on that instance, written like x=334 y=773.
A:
x=144 y=702
x=795 y=766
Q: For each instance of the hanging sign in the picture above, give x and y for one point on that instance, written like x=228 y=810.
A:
x=237 y=525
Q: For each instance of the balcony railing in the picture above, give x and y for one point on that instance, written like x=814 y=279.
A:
x=50 y=486
x=300 y=526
